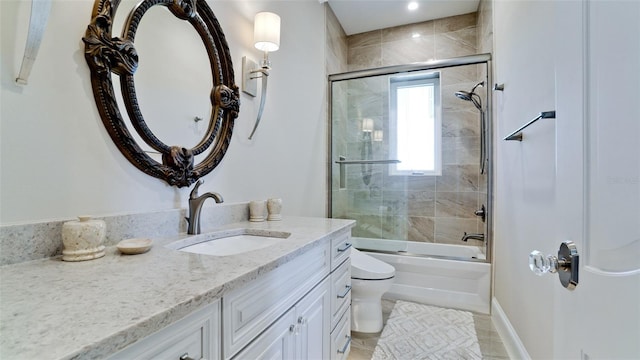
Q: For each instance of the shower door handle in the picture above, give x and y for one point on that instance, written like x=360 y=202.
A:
x=343 y=161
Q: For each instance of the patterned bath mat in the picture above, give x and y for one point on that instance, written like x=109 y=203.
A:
x=415 y=331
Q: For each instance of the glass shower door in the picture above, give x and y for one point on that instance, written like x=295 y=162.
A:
x=406 y=156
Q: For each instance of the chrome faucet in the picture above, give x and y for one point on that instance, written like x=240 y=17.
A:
x=466 y=236
x=195 y=207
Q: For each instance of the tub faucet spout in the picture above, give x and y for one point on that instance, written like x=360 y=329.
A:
x=195 y=207
x=466 y=237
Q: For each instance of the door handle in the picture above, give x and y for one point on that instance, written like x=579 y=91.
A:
x=566 y=264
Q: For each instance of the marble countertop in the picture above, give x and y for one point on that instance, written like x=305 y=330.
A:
x=50 y=309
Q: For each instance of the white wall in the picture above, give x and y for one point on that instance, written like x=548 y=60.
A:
x=57 y=160
x=525 y=171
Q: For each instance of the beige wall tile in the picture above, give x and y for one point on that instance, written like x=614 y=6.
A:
x=421 y=229
x=365 y=57
x=408 y=51
x=423 y=29
x=365 y=39
x=455 y=23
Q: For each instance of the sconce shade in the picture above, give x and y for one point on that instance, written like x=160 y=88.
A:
x=266 y=31
x=367 y=125
x=378 y=135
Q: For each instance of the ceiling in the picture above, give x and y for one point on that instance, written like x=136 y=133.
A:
x=357 y=16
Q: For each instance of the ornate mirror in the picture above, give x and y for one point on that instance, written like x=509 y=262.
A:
x=108 y=56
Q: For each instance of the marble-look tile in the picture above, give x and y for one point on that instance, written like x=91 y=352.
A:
x=457 y=123
x=447 y=46
x=459 y=74
x=451 y=230
x=408 y=51
x=365 y=57
x=468 y=150
x=420 y=203
x=456 y=204
x=336 y=43
x=364 y=106
x=454 y=23
x=458 y=178
x=448 y=181
x=449 y=155
x=421 y=229
x=365 y=39
x=418 y=183
x=469 y=178
x=413 y=203
x=367 y=226
x=395 y=227
x=404 y=32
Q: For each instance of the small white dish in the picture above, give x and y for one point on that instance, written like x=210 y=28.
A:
x=134 y=246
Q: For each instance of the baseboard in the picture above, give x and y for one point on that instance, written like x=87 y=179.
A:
x=515 y=347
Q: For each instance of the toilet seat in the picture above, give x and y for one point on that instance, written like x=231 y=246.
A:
x=365 y=267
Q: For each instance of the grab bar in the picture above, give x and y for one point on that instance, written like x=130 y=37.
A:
x=517 y=135
x=349 y=162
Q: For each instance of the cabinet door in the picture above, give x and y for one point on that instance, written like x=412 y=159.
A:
x=276 y=343
x=313 y=322
x=196 y=336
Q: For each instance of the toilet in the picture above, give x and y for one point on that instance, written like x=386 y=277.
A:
x=370 y=278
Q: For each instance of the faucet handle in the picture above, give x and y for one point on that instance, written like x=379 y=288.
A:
x=194 y=192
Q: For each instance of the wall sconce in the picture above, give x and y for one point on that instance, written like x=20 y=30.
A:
x=378 y=135
x=266 y=37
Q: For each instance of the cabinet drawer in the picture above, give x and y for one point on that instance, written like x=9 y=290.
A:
x=340 y=248
x=340 y=291
x=249 y=310
x=197 y=335
x=277 y=342
x=341 y=338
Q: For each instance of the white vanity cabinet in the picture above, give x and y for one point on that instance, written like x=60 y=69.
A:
x=341 y=298
x=248 y=311
x=301 y=333
x=299 y=310
x=272 y=318
x=197 y=336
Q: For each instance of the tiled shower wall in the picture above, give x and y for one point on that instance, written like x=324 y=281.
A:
x=418 y=208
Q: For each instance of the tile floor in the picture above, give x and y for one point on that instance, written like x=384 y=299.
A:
x=491 y=346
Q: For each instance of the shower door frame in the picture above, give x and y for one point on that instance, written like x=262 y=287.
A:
x=422 y=66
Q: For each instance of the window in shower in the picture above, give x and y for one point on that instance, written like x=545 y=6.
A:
x=415 y=124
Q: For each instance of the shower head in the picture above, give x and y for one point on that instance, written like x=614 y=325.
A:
x=469 y=95
x=464 y=95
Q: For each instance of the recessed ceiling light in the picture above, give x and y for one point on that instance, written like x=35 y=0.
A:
x=412 y=5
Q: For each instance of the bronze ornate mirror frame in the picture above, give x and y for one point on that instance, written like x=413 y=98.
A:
x=106 y=54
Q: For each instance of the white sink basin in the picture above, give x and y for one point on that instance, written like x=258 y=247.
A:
x=229 y=242
x=232 y=245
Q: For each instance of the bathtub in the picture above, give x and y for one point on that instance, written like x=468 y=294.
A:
x=451 y=276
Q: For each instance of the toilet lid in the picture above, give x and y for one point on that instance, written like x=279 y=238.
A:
x=367 y=267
